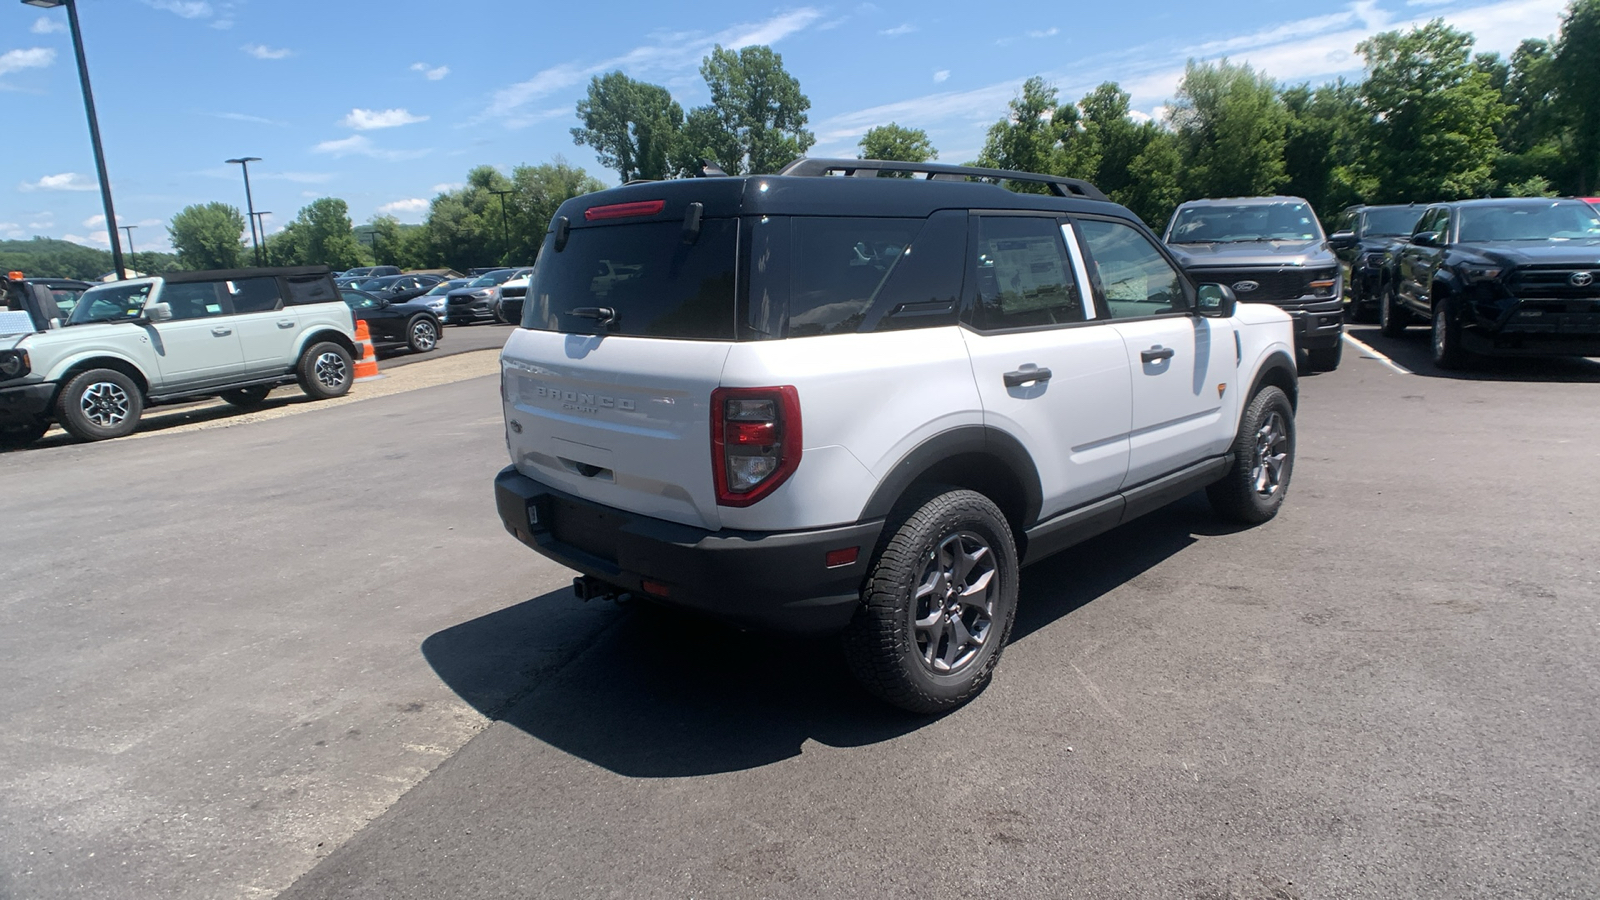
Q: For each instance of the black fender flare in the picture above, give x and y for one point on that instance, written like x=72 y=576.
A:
x=1279 y=369
x=965 y=440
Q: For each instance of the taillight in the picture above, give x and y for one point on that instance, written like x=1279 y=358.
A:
x=755 y=441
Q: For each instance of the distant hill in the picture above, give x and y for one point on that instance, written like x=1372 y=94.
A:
x=45 y=257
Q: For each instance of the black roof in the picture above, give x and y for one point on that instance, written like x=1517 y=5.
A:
x=1512 y=201
x=51 y=282
x=813 y=193
x=236 y=274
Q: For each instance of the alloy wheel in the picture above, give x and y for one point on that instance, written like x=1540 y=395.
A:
x=1271 y=454
x=424 y=335
x=955 y=602
x=331 y=370
x=105 y=404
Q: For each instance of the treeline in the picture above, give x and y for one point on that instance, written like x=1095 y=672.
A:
x=1430 y=120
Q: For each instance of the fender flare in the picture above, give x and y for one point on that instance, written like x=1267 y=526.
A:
x=58 y=372
x=322 y=333
x=965 y=440
x=1277 y=368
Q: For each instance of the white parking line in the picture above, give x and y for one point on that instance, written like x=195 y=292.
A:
x=1378 y=356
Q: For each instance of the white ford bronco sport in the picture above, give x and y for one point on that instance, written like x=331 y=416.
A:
x=859 y=404
x=131 y=344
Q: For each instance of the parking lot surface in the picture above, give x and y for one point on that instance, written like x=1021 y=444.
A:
x=308 y=639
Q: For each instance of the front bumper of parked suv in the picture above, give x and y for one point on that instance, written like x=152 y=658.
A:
x=25 y=402
x=776 y=581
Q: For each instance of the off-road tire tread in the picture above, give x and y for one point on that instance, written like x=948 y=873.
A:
x=71 y=416
x=875 y=640
x=308 y=378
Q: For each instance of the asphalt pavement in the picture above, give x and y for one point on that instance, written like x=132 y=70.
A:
x=221 y=679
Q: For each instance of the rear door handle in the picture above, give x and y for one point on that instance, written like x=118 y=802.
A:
x=1157 y=353
x=222 y=332
x=1026 y=376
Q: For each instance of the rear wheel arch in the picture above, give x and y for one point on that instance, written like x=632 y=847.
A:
x=317 y=337
x=974 y=457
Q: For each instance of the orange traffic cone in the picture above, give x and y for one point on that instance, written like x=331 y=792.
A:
x=367 y=365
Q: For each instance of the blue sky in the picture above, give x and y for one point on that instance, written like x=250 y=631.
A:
x=385 y=103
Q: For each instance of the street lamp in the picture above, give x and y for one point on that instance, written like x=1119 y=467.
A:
x=250 y=205
x=129 y=229
x=94 y=128
x=261 y=223
x=505 y=230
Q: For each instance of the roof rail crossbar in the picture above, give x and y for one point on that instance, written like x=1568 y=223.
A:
x=869 y=168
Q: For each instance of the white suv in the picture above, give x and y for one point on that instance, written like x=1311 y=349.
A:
x=859 y=404
x=131 y=344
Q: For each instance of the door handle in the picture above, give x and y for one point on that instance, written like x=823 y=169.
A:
x=1157 y=353
x=1026 y=376
x=222 y=332
x=285 y=324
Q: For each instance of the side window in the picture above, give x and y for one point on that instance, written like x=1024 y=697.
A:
x=1435 y=220
x=1133 y=276
x=1022 y=276
x=1347 y=222
x=252 y=295
x=196 y=300
x=358 y=300
x=300 y=289
x=839 y=266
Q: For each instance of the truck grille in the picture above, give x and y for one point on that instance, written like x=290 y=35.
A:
x=1275 y=285
x=1555 y=282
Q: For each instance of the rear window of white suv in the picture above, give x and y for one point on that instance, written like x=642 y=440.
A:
x=646 y=279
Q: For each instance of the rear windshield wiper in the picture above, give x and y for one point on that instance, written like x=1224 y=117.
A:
x=602 y=315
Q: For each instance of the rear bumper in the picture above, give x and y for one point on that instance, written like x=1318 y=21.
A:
x=776 y=581
x=25 y=403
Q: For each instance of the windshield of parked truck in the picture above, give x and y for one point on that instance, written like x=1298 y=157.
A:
x=1392 y=222
x=1244 y=222
x=111 y=303
x=1529 y=222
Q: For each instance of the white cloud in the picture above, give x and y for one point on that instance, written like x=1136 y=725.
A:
x=941 y=76
x=432 y=74
x=1052 y=31
x=369 y=119
x=409 y=210
x=48 y=25
x=448 y=186
x=32 y=58
x=187 y=9
x=242 y=117
x=66 y=181
x=1428 y=2
x=683 y=50
x=361 y=145
x=262 y=51
x=898 y=30
x=93 y=237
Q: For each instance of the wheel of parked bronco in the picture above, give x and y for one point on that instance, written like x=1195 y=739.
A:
x=938 y=604
x=1263 y=452
x=247 y=397
x=326 y=371
x=99 y=404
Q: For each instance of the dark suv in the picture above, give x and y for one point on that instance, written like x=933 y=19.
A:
x=1269 y=250
x=1364 y=239
x=1508 y=277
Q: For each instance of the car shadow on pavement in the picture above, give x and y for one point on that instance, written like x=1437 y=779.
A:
x=662 y=694
x=1414 y=351
x=161 y=418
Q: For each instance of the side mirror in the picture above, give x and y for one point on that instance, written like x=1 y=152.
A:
x=1217 y=301
x=1426 y=239
x=1342 y=239
x=157 y=312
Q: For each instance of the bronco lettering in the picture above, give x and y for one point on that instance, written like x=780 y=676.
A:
x=579 y=400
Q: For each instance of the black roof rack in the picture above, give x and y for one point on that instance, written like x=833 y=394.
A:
x=869 y=168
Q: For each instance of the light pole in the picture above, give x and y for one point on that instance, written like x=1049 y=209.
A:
x=505 y=230
x=250 y=205
x=94 y=128
x=261 y=223
x=129 y=229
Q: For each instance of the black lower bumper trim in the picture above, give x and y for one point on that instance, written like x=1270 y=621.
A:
x=30 y=401
x=776 y=581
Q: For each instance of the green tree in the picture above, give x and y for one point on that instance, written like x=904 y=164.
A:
x=1231 y=127
x=208 y=236
x=1153 y=191
x=756 y=121
x=893 y=142
x=464 y=224
x=1323 y=146
x=1575 y=71
x=632 y=125
x=1433 y=115
x=320 y=234
x=386 y=246
x=1035 y=136
x=540 y=191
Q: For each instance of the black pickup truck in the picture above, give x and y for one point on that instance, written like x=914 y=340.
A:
x=1364 y=239
x=1504 y=277
x=1269 y=250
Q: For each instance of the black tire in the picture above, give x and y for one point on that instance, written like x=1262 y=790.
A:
x=247 y=397
x=422 y=333
x=1326 y=359
x=99 y=404
x=325 y=371
x=1255 y=486
x=16 y=435
x=948 y=661
x=1361 y=306
x=1446 y=338
x=1392 y=320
